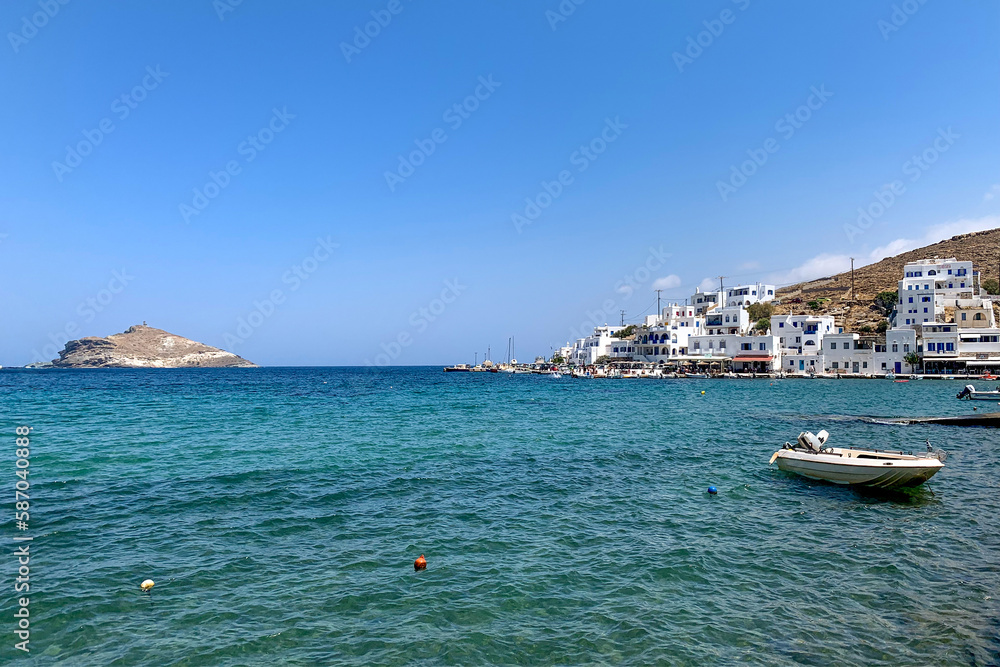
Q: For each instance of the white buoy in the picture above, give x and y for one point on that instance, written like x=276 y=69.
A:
x=146 y=585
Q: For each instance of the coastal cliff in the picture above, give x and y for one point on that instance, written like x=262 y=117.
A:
x=144 y=347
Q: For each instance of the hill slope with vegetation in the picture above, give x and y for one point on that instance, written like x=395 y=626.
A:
x=832 y=295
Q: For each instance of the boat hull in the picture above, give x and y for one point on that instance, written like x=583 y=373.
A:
x=851 y=471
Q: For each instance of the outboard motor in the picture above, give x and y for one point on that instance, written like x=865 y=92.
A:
x=966 y=392
x=811 y=442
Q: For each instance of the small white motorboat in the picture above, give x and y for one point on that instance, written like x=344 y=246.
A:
x=860 y=467
x=973 y=394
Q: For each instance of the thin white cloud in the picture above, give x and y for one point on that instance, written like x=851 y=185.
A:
x=828 y=264
x=708 y=284
x=667 y=282
x=816 y=267
x=992 y=192
x=749 y=266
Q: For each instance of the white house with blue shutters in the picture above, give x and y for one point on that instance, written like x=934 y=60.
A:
x=745 y=295
x=930 y=286
x=801 y=340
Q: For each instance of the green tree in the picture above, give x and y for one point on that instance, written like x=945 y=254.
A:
x=865 y=329
x=912 y=358
x=991 y=286
x=886 y=301
x=557 y=359
x=813 y=304
x=882 y=326
x=758 y=311
x=624 y=333
x=763 y=324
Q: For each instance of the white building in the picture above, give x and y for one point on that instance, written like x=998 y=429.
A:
x=899 y=343
x=705 y=301
x=947 y=348
x=665 y=337
x=748 y=353
x=930 y=286
x=728 y=320
x=848 y=353
x=952 y=318
x=802 y=334
x=744 y=295
x=588 y=350
x=801 y=340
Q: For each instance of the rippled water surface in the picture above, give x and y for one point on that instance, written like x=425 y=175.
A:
x=564 y=521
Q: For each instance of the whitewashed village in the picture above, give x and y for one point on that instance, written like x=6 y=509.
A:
x=942 y=324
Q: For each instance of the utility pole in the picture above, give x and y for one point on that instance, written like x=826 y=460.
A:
x=623 y=318
x=658 y=302
x=720 y=283
x=852 y=280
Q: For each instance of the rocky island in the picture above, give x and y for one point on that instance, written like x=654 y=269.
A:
x=141 y=346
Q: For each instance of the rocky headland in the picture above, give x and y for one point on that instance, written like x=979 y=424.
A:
x=141 y=346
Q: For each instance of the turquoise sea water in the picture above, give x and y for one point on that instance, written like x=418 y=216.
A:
x=564 y=522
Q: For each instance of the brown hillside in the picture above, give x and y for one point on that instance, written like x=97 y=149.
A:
x=982 y=248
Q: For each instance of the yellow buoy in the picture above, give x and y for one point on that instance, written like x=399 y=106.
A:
x=702 y=391
x=146 y=585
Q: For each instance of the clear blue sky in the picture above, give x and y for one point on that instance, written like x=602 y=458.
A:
x=677 y=128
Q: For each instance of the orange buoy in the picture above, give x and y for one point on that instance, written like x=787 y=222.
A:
x=420 y=563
